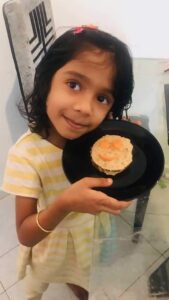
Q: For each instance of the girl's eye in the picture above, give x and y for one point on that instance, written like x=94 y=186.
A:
x=104 y=99
x=74 y=85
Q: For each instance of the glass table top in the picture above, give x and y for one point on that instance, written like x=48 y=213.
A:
x=123 y=266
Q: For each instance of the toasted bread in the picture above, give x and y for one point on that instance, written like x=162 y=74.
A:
x=112 y=154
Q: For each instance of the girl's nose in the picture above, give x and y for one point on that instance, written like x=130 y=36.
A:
x=84 y=105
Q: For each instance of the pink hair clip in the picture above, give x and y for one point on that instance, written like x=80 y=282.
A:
x=78 y=29
x=81 y=28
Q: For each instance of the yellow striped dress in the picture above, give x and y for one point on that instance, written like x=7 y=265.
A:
x=34 y=169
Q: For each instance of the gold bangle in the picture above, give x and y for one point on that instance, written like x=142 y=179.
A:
x=37 y=222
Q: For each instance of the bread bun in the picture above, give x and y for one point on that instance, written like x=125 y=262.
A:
x=112 y=154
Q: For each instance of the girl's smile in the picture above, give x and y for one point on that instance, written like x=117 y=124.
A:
x=81 y=95
x=75 y=125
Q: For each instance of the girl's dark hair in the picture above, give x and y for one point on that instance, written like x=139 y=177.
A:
x=62 y=51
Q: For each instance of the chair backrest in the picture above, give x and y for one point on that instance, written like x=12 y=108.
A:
x=31 y=31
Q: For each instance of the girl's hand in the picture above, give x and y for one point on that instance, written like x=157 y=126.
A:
x=81 y=197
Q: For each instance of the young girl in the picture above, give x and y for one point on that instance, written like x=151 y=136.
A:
x=85 y=76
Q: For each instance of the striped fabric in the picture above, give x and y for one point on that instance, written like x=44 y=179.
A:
x=34 y=169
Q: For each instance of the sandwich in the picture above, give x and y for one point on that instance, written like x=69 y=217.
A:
x=112 y=154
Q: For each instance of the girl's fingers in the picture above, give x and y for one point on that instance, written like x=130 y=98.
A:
x=111 y=211
x=115 y=212
x=92 y=182
x=125 y=204
x=114 y=204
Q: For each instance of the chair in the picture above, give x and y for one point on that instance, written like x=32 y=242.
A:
x=31 y=31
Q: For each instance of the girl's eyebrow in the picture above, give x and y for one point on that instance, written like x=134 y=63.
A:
x=85 y=78
x=79 y=75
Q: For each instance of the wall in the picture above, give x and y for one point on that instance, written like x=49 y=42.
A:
x=142 y=24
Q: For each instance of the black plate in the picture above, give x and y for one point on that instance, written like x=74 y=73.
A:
x=142 y=174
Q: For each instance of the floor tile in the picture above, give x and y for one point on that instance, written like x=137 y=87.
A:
x=157 y=204
x=2 y=194
x=140 y=289
x=166 y=253
x=4 y=296
x=1 y=288
x=120 y=261
x=16 y=291
x=54 y=292
x=99 y=295
x=155 y=229
x=8 y=237
x=159 y=201
x=8 y=274
x=58 y=291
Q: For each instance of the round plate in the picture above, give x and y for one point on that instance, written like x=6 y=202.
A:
x=139 y=177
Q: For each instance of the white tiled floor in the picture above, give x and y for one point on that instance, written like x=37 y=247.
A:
x=10 y=288
x=152 y=250
x=126 y=277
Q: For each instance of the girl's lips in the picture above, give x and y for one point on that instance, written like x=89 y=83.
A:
x=75 y=125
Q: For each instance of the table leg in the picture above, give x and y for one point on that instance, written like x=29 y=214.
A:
x=141 y=206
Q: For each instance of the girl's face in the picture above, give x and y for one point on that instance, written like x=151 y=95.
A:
x=80 y=96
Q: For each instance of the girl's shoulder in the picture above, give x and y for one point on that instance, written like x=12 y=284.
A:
x=27 y=137
x=26 y=141
x=32 y=144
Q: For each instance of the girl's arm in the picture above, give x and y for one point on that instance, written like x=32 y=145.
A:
x=79 y=197
x=29 y=234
